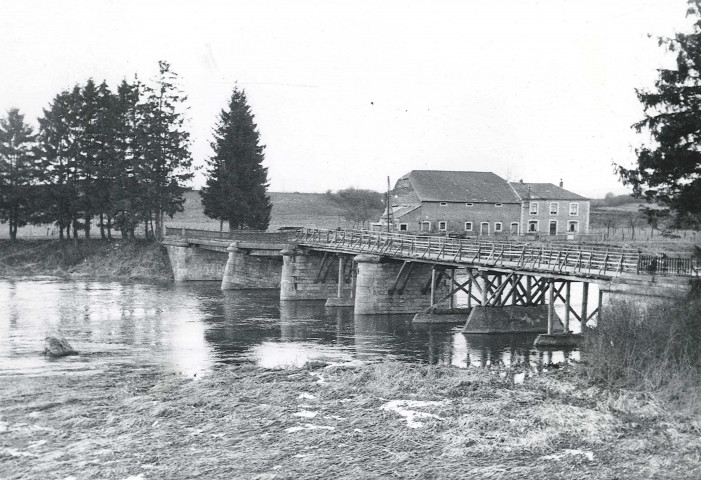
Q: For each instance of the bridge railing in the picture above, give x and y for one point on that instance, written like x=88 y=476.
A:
x=606 y=260
x=241 y=235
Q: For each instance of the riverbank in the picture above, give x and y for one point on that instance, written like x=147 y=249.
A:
x=94 y=259
x=386 y=420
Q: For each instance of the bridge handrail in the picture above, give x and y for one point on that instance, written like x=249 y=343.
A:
x=243 y=235
x=606 y=260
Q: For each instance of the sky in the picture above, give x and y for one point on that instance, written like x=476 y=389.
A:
x=347 y=93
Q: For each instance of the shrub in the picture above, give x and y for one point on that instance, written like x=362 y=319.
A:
x=648 y=348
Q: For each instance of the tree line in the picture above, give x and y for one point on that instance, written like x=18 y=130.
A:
x=122 y=158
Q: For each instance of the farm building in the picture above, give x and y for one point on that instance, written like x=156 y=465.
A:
x=482 y=203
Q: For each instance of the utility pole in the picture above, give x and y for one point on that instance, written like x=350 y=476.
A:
x=388 y=207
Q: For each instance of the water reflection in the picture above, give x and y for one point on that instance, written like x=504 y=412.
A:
x=191 y=328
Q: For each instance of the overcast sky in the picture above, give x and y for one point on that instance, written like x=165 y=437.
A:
x=348 y=93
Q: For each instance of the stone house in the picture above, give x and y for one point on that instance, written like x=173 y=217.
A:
x=552 y=210
x=481 y=203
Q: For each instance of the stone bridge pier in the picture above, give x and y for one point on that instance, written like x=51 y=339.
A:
x=315 y=275
x=252 y=265
x=390 y=286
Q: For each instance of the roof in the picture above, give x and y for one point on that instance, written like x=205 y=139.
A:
x=398 y=212
x=447 y=186
x=544 y=191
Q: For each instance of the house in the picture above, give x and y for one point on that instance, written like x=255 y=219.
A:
x=482 y=203
x=552 y=210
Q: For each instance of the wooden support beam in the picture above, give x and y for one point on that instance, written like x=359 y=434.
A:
x=494 y=300
x=340 y=274
x=396 y=280
x=452 y=292
x=401 y=288
x=485 y=288
x=585 y=302
x=529 y=297
x=600 y=307
x=567 y=308
x=433 y=285
x=551 y=306
x=321 y=268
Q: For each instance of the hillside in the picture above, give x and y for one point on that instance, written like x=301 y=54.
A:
x=290 y=209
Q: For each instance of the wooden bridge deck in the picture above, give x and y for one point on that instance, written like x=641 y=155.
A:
x=562 y=259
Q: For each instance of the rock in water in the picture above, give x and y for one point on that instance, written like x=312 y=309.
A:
x=58 y=347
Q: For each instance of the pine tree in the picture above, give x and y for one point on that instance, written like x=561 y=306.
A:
x=165 y=147
x=237 y=182
x=669 y=167
x=17 y=170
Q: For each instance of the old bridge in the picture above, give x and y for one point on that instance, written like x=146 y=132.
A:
x=509 y=286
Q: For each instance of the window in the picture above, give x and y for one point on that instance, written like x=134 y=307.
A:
x=444 y=204
x=554 y=207
x=425 y=226
x=574 y=208
x=442 y=226
x=484 y=228
x=553 y=227
x=514 y=228
x=468 y=204
x=533 y=208
x=403 y=227
x=533 y=226
x=497 y=226
x=573 y=226
x=468 y=226
x=497 y=205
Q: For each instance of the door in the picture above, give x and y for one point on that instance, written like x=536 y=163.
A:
x=484 y=228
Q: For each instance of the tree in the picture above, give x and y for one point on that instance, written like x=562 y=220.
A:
x=237 y=182
x=359 y=206
x=164 y=146
x=669 y=167
x=17 y=169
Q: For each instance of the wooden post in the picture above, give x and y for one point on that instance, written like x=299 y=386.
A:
x=585 y=302
x=340 y=274
x=354 y=273
x=601 y=301
x=551 y=305
x=514 y=282
x=567 y=307
x=433 y=285
x=485 y=277
x=469 y=295
x=452 y=294
x=529 y=296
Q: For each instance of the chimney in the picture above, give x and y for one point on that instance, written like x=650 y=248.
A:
x=560 y=183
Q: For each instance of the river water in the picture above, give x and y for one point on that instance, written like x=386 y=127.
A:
x=194 y=327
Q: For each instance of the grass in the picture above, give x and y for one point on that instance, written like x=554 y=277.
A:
x=649 y=349
x=334 y=422
x=119 y=259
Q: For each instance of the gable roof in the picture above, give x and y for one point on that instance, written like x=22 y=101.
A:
x=451 y=186
x=544 y=191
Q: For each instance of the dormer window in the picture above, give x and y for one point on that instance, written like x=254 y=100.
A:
x=468 y=204
x=497 y=205
x=444 y=204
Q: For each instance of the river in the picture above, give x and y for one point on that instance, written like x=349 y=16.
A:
x=194 y=328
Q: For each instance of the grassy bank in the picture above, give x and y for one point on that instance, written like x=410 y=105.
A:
x=654 y=350
x=129 y=260
x=385 y=420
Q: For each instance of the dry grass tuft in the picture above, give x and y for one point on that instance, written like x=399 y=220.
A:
x=240 y=422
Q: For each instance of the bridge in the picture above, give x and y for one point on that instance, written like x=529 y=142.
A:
x=509 y=286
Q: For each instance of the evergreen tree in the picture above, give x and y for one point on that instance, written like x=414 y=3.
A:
x=237 y=182
x=164 y=144
x=669 y=168
x=17 y=170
